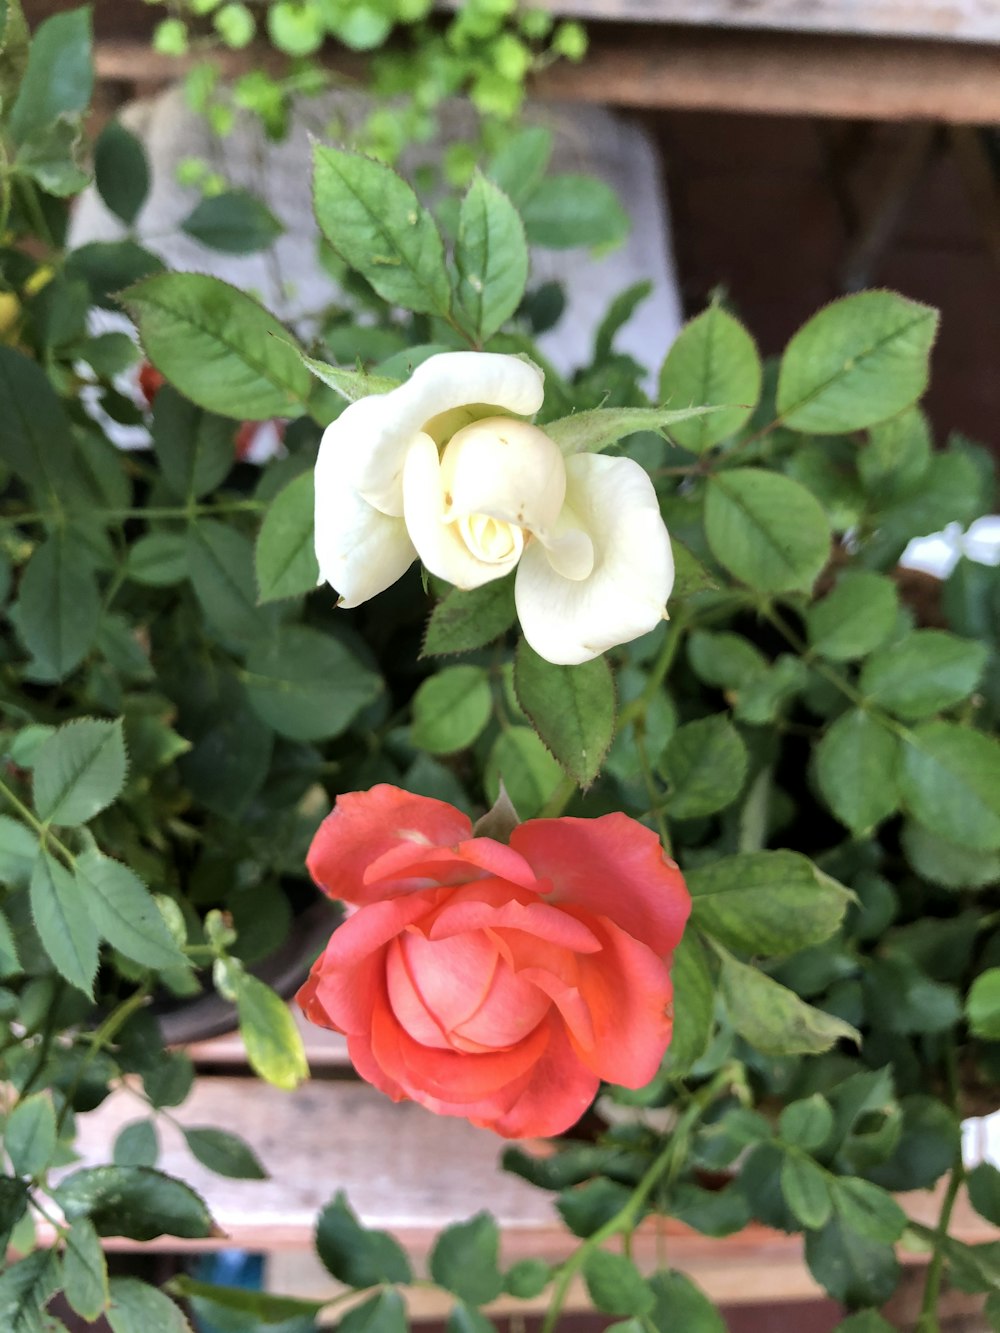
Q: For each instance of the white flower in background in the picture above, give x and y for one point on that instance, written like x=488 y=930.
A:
x=443 y=468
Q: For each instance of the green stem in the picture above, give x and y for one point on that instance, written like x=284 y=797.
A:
x=661 y=667
x=559 y=799
x=928 y=1322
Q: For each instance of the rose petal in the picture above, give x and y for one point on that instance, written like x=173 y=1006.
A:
x=511 y=1008
x=567 y=620
x=559 y=1091
x=508 y=469
x=364 y=825
x=451 y=977
x=471 y=860
x=492 y=906
x=613 y=867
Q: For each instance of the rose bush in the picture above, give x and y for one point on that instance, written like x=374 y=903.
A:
x=496 y=982
x=443 y=469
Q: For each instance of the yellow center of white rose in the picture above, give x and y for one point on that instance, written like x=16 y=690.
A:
x=490 y=539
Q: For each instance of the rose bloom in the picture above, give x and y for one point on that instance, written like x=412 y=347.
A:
x=497 y=982
x=444 y=468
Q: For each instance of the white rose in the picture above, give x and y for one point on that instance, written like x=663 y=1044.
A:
x=443 y=468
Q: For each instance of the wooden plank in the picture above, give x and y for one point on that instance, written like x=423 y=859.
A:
x=711 y=70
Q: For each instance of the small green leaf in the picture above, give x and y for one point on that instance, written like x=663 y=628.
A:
x=571 y=707
x=694 y=1005
x=855 y=618
x=224 y=1153
x=124 y=911
x=950 y=782
x=519 y=163
x=772 y=1018
x=491 y=256
x=220 y=565
x=712 y=362
x=58 y=608
x=26 y=1288
x=564 y=211
x=804 y=1185
x=464 y=1260
x=350 y=384
x=134 y=1201
x=59 y=77
x=867 y=1210
x=13 y=1207
x=375 y=222
x=681 y=1305
x=464 y=620
x=944 y=862
x=136 y=1144
x=218 y=346
x=273 y=1043
x=923 y=673
x=79 y=771
x=355 y=1255
x=169 y=1081
x=896 y=456
x=10 y=962
x=382 y=1313
x=586 y=1208
x=521 y=762
x=766 y=902
x=807 y=1123
x=866 y=1321
x=615 y=1284
x=983 y=1184
x=194 y=448
x=767 y=530
x=30 y=1135
x=85 y=1271
x=306 y=684
x=285 y=558
x=857 y=768
x=64 y=923
x=853 y=1270
x=158 y=560
x=136 y=1307
x=860 y=360
x=982 y=1005
x=121 y=171
x=265 y=1306
x=451 y=708
x=705 y=764
x=527 y=1278
x=592 y=431
x=233 y=222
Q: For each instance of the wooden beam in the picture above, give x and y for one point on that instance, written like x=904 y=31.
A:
x=709 y=70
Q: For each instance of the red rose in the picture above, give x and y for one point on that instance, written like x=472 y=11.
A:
x=500 y=983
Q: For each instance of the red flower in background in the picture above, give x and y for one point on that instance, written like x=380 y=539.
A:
x=497 y=982
x=258 y=440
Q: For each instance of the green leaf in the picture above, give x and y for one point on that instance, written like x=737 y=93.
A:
x=285 y=558
x=121 y=172
x=983 y=1184
x=375 y=222
x=53 y=158
x=807 y=1123
x=896 y=455
x=134 y=1201
x=307 y=685
x=858 y=361
x=693 y=1004
x=451 y=708
x=949 y=782
x=615 y=1284
x=220 y=565
x=804 y=1185
x=682 y=1306
x=10 y=962
x=982 y=1005
x=866 y=1321
x=766 y=902
x=267 y=1307
x=85 y=1270
x=64 y=923
x=772 y=1018
x=350 y=384
x=592 y=431
x=14 y=41
x=382 y=1313
x=855 y=618
x=491 y=257
x=725 y=660
x=521 y=762
x=906 y=999
x=586 y=1208
x=925 y=672
x=925 y=1148
x=58 y=608
x=59 y=77
x=224 y=1153
x=273 y=1043
x=355 y=1255
x=853 y=1270
x=464 y=1260
x=18 y=848
x=136 y=1144
x=25 y=1289
x=194 y=448
x=79 y=771
x=29 y=1137
x=218 y=346
x=158 y=560
x=945 y=863
x=109 y=266
x=463 y=620
x=857 y=769
x=712 y=362
x=767 y=530
x=138 y=1308
x=169 y=1081
x=571 y=707
x=618 y=314
x=13 y=1206
x=705 y=764
x=569 y=210
x=233 y=222
x=713 y=1212
x=527 y=1278
x=124 y=911
x=867 y=1210
x=36 y=441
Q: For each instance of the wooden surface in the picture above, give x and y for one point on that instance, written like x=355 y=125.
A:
x=709 y=69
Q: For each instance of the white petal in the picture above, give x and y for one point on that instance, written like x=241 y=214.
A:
x=440 y=544
x=360 y=551
x=374 y=434
x=572 y=620
x=508 y=469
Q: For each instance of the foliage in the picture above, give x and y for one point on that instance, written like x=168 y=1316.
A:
x=812 y=734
